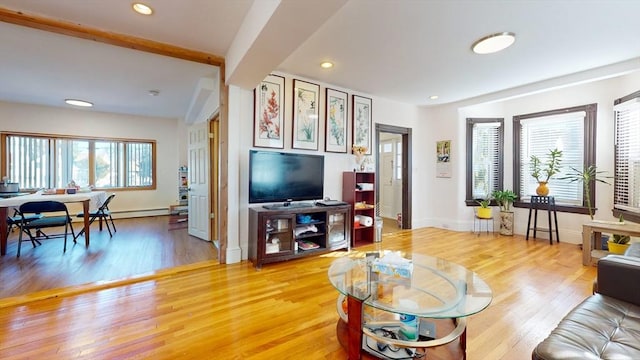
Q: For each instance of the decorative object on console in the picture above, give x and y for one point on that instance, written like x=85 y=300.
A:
x=335 y=139
x=268 y=123
x=306 y=98
x=359 y=153
x=362 y=118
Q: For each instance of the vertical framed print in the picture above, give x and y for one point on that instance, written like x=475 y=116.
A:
x=362 y=123
x=268 y=121
x=306 y=98
x=335 y=115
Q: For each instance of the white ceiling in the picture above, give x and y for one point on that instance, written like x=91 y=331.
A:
x=404 y=50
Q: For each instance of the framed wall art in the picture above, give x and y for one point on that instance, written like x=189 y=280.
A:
x=443 y=157
x=362 y=123
x=335 y=139
x=268 y=122
x=306 y=98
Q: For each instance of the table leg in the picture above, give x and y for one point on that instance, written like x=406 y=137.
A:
x=586 y=245
x=354 y=314
x=3 y=230
x=85 y=208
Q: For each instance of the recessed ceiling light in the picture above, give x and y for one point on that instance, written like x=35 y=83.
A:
x=326 y=64
x=141 y=8
x=494 y=43
x=76 y=102
x=154 y=92
x=433 y=97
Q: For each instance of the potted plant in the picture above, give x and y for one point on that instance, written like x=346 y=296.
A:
x=542 y=172
x=505 y=199
x=619 y=243
x=484 y=211
x=588 y=175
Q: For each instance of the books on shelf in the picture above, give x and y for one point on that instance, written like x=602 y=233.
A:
x=307 y=245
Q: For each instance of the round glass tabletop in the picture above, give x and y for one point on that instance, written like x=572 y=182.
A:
x=413 y=284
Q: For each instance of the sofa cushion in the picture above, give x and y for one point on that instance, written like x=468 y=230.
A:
x=600 y=327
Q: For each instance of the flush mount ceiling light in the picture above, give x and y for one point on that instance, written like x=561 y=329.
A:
x=76 y=102
x=326 y=64
x=141 y=8
x=433 y=97
x=494 y=43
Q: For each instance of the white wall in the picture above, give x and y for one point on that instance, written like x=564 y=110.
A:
x=241 y=118
x=51 y=120
x=449 y=122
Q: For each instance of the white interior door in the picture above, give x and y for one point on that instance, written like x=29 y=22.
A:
x=199 y=204
x=386 y=179
x=389 y=176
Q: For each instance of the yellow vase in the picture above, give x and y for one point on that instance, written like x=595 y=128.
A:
x=542 y=189
x=484 y=213
x=616 y=248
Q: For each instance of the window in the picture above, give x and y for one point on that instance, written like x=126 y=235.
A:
x=626 y=193
x=571 y=130
x=484 y=158
x=41 y=161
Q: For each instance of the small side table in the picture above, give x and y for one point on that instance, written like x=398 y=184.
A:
x=547 y=203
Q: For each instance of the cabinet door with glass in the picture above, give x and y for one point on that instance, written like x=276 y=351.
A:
x=278 y=235
x=338 y=229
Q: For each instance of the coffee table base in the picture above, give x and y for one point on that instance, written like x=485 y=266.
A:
x=455 y=349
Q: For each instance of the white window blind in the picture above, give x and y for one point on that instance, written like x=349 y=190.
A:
x=627 y=155
x=485 y=159
x=538 y=136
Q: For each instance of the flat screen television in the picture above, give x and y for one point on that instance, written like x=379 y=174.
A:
x=285 y=177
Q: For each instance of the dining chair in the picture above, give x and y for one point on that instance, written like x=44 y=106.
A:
x=60 y=217
x=101 y=213
x=14 y=221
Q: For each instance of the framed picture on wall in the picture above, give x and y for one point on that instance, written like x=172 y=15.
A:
x=335 y=115
x=361 y=118
x=306 y=99
x=268 y=122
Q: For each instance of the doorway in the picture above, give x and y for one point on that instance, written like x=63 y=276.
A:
x=393 y=171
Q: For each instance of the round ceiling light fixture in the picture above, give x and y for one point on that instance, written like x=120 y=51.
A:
x=433 y=97
x=80 y=103
x=141 y=8
x=494 y=43
x=326 y=64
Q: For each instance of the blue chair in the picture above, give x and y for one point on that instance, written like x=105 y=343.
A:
x=60 y=218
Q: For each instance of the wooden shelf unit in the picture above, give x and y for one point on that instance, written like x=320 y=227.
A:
x=362 y=202
x=280 y=234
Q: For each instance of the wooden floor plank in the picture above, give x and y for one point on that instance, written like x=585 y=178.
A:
x=288 y=310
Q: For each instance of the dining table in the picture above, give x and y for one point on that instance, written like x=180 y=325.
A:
x=91 y=201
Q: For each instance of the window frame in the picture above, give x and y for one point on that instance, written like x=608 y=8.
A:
x=627 y=214
x=589 y=152
x=469 y=200
x=92 y=140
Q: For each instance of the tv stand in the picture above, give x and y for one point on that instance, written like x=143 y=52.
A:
x=300 y=229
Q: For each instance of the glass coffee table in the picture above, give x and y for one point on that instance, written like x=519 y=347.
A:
x=394 y=305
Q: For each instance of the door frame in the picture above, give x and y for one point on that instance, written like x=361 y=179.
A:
x=406 y=168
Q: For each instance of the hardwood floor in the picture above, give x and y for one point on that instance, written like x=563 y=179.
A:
x=288 y=310
x=140 y=246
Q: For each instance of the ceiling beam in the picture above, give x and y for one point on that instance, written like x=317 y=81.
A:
x=126 y=41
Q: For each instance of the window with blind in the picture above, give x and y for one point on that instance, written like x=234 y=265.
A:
x=627 y=156
x=571 y=130
x=485 y=142
x=41 y=161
